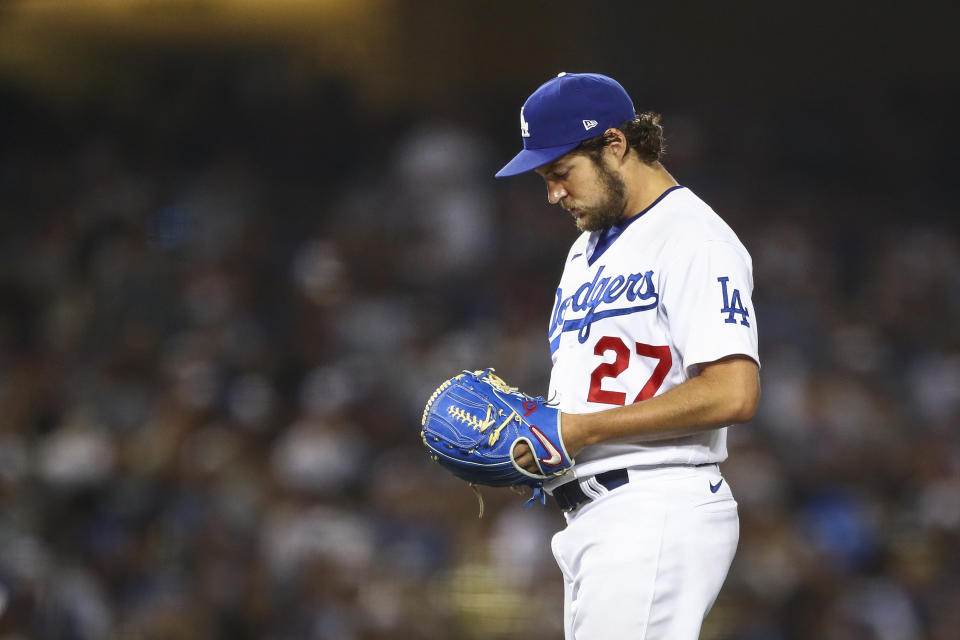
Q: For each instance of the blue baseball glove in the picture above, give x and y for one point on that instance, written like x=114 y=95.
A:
x=472 y=422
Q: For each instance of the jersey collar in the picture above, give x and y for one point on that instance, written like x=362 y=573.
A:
x=606 y=237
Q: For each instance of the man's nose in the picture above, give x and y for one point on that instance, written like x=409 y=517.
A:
x=555 y=193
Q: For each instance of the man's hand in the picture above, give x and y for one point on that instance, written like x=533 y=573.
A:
x=568 y=421
x=524 y=457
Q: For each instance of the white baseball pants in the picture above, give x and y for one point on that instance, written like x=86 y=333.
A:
x=647 y=560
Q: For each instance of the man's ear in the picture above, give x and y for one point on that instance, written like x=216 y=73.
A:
x=616 y=144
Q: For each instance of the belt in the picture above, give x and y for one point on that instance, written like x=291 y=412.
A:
x=569 y=496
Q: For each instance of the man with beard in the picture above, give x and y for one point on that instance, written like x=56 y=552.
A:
x=653 y=338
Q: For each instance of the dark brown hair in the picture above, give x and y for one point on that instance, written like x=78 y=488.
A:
x=644 y=134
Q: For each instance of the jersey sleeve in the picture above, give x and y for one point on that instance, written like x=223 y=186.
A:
x=707 y=299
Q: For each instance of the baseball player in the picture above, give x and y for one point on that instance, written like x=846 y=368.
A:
x=653 y=338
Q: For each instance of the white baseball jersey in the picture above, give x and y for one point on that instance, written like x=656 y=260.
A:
x=637 y=309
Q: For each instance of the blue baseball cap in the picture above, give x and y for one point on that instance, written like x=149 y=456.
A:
x=564 y=112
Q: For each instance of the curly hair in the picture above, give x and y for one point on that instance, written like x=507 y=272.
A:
x=644 y=134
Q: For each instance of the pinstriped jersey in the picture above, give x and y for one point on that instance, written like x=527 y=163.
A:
x=638 y=308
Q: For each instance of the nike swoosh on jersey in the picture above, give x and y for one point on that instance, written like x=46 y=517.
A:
x=555 y=456
x=716 y=487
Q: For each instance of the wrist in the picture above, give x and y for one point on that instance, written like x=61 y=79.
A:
x=572 y=431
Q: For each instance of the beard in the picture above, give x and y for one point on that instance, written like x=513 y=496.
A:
x=609 y=210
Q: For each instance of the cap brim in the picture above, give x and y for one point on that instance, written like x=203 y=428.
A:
x=530 y=159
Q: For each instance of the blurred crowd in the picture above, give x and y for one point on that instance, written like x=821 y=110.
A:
x=214 y=358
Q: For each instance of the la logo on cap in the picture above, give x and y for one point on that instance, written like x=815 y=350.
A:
x=524 y=126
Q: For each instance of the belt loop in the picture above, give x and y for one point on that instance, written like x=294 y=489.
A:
x=592 y=487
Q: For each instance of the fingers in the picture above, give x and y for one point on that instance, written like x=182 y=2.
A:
x=524 y=457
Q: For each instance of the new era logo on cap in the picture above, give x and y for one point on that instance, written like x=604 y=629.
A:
x=564 y=112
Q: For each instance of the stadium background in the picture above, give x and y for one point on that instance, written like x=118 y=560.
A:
x=241 y=242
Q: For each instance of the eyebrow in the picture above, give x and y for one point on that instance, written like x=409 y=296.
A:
x=553 y=168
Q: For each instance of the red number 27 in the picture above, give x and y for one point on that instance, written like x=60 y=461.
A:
x=618 y=366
